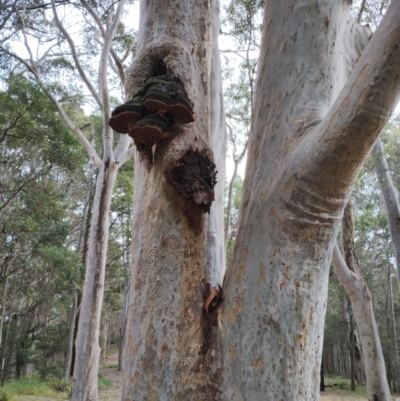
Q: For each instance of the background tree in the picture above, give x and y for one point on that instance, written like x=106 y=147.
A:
x=57 y=47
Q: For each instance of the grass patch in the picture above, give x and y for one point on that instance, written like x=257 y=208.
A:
x=30 y=387
x=111 y=366
x=6 y=395
x=104 y=383
x=341 y=388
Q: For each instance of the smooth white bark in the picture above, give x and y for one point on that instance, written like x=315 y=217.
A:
x=87 y=349
x=309 y=137
x=356 y=288
x=216 y=252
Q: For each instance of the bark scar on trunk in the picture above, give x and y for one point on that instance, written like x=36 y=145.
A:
x=207 y=361
x=193 y=178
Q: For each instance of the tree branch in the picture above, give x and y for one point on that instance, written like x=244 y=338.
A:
x=11 y=126
x=105 y=95
x=362 y=7
x=123 y=152
x=8 y=16
x=341 y=142
x=84 y=77
x=114 y=55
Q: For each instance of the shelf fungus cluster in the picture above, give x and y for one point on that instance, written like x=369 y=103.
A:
x=153 y=109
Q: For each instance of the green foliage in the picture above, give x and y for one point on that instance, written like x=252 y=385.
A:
x=236 y=197
x=58 y=384
x=340 y=386
x=30 y=387
x=372 y=13
x=46 y=174
x=6 y=395
x=31 y=126
x=104 y=383
x=41 y=167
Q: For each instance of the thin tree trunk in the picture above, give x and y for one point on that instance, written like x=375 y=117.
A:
x=104 y=337
x=229 y=204
x=74 y=307
x=236 y=160
x=390 y=196
x=123 y=327
x=395 y=339
x=216 y=250
x=87 y=356
x=3 y=310
x=353 y=354
x=391 y=328
x=3 y=364
x=70 y=339
x=85 y=251
x=354 y=284
x=122 y=330
x=87 y=339
x=360 y=297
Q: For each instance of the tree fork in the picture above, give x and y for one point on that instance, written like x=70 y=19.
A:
x=306 y=147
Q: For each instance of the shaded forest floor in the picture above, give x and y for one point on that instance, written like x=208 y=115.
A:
x=108 y=371
x=340 y=390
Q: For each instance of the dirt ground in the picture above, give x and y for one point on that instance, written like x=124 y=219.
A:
x=113 y=393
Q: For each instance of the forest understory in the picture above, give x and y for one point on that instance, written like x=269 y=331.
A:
x=337 y=388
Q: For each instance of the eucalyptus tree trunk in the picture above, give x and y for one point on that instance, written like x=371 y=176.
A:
x=87 y=349
x=310 y=135
x=75 y=306
x=167 y=325
x=312 y=129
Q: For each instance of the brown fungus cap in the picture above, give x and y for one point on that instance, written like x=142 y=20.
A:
x=124 y=121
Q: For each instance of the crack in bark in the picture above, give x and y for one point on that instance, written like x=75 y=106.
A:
x=207 y=361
